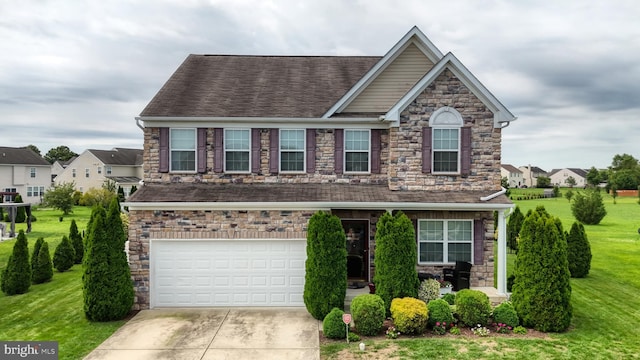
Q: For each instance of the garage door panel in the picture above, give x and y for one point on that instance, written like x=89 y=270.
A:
x=227 y=273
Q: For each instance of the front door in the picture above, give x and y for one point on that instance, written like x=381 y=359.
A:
x=357 y=232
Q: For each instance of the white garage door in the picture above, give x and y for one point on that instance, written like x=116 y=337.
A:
x=227 y=273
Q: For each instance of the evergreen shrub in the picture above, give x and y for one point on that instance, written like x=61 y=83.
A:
x=429 y=290
x=439 y=311
x=395 y=261
x=473 y=307
x=410 y=315
x=34 y=254
x=578 y=251
x=43 y=270
x=368 y=313
x=449 y=298
x=64 y=255
x=325 y=284
x=588 y=207
x=506 y=314
x=542 y=292
x=76 y=242
x=16 y=277
x=332 y=326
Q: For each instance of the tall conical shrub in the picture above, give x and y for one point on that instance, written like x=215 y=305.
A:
x=64 y=255
x=107 y=288
x=325 y=283
x=395 y=258
x=542 y=292
x=43 y=270
x=579 y=251
x=513 y=228
x=76 y=241
x=16 y=277
x=34 y=254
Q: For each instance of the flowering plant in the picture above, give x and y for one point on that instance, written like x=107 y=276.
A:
x=440 y=328
x=392 y=333
x=480 y=330
x=502 y=328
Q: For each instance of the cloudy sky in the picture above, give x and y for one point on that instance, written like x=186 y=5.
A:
x=76 y=73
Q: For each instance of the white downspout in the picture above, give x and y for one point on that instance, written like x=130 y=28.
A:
x=494 y=195
x=502 y=252
x=138 y=123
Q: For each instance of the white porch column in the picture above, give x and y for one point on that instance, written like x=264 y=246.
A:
x=502 y=252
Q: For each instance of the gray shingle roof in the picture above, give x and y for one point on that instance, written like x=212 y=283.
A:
x=21 y=156
x=258 y=86
x=511 y=168
x=119 y=156
x=201 y=192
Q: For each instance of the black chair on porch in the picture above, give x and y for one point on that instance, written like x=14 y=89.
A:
x=459 y=276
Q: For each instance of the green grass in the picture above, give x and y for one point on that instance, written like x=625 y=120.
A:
x=606 y=307
x=52 y=311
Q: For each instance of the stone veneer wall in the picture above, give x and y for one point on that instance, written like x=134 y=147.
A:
x=405 y=163
x=203 y=224
x=325 y=162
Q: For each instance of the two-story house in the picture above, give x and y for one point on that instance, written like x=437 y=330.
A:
x=93 y=167
x=24 y=172
x=561 y=177
x=240 y=151
x=530 y=175
x=512 y=174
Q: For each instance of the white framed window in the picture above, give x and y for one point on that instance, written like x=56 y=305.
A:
x=41 y=191
x=107 y=169
x=292 y=145
x=35 y=191
x=10 y=198
x=237 y=150
x=87 y=173
x=182 y=143
x=99 y=170
x=30 y=191
x=73 y=172
x=445 y=241
x=445 y=156
x=357 y=151
x=32 y=172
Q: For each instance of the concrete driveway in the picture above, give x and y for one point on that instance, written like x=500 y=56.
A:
x=214 y=333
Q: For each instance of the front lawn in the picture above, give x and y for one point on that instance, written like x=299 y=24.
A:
x=52 y=311
x=605 y=304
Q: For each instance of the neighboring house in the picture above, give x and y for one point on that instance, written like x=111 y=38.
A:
x=559 y=177
x=58 y=167
x=513 y=175
x=240 y=151
x=25 y=172
x=91 y=168
x=530 y=175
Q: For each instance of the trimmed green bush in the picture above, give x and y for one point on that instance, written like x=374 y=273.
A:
x=513 y=228
x=473 y=307
x=325 y=285
x=34 y=254
x=578 y=251
x=396 y=275
x=43 y=270
x=21 y=214
x=76 y=241
x=332 y=326
x=588 y=207
x=449 y=298
x=16 y=277
x=107 y=288
x=410 y=315
x=429 y=290
x=439 y=311
x=541 y=291
x=506 y=314
x=368 y=313
x=64 y=255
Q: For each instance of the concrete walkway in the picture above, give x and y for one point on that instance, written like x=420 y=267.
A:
x=215 y=333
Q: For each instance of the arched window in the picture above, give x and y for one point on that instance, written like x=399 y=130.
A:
x=446 y=143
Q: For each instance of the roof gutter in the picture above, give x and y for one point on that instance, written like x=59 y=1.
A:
x=321 y=205
x=138 y=123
